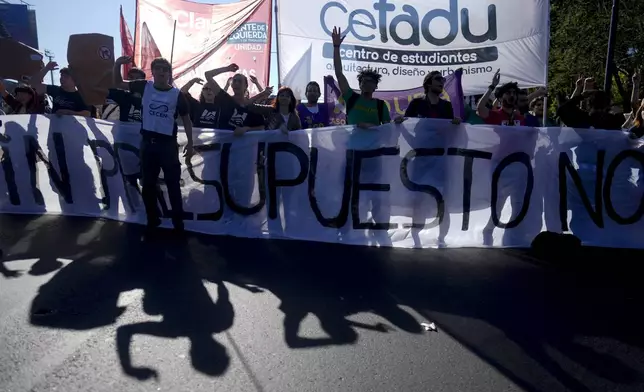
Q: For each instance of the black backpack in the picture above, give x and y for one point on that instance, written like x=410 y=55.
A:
x=351 y=102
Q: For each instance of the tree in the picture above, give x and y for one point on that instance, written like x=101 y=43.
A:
x=579 y=39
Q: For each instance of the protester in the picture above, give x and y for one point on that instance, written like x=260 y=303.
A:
x=507 y=95
x=535 y=118
x=203 y=112
x=363 y=110
x=67 y=100
x=313 y=114
x=128 y=102
x=637 y=130
x=431 y=105
x=161 y=105
x=524 y=101
x=597 y=116
x=284 y=116
x=635 y=101
x=24 y=102
x=233 y=114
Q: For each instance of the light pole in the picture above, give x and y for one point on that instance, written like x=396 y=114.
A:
x=612 y=36
x=50 y=56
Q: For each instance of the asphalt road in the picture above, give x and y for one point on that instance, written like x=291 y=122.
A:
x=85 y=306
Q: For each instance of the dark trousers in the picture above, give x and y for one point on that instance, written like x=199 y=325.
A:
x=161 y=153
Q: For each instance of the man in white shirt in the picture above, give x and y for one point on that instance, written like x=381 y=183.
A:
x=161 y=105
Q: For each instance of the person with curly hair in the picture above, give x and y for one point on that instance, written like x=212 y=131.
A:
x=507 y=94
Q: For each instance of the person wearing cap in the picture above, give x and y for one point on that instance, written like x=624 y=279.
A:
x=25 y=100
x=67 y=100
x=507 y=94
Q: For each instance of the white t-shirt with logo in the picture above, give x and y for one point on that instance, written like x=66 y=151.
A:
x=158 y=109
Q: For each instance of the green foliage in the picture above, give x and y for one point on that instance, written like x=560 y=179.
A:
x=579 y=41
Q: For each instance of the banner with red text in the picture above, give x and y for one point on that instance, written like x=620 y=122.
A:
x=207 y=36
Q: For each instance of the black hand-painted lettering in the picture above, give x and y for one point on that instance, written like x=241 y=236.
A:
x=224 y=168
x=610 y=176
x=468 y=169
x=517 y=157
x=61 y=181
x=565 y=165
x=129 y=180
x=105 y=189
x=358 y=157
x=428 y=189
x=340 y=219
x=10 y=176
x=210 y=216
x=274 y=182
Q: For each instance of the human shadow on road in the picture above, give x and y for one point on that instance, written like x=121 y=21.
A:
x=173 y=289
x=37 y=236
x=85 y=293
x=329 y=281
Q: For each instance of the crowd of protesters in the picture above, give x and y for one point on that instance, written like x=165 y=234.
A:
x=231 y=108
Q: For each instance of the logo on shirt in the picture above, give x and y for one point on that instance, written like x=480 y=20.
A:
x=516 y=123
x=237 y=119
x=208 y=116
x=158 y=109
x=134 y=115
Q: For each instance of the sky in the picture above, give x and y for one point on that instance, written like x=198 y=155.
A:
x=58 y=19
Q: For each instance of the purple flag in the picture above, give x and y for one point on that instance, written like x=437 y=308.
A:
x=397 y=101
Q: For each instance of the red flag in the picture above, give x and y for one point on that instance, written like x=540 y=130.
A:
x=127 y=43
x=209 y=36
x=149 y=50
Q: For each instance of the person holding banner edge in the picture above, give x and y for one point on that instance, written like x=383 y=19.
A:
x=161 y=104
x=363 y=110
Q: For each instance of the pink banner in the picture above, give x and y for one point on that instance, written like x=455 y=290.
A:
x=207 y=36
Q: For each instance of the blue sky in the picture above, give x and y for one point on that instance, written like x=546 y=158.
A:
x=58 y=19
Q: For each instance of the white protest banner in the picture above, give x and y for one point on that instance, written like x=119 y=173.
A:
x=425 y=183
x=406 y=39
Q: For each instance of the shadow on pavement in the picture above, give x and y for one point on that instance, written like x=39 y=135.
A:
x=547 y=328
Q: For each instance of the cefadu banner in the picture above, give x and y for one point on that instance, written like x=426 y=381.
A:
x=423 y=183
x=405 y=40
x=207 y=36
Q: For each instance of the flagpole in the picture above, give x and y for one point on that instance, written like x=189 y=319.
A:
x=612 y=36
x=277 y=44
x=174 y=31
x=136 y=28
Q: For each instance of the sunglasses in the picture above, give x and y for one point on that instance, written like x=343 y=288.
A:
x=162 y=68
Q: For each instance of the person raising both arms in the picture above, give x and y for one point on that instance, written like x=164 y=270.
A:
x=233 y=112
x=507 y=94
x=363 y=110
x=313 y=114
x=203 y=112
x=161 y=105
x=67 y=100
